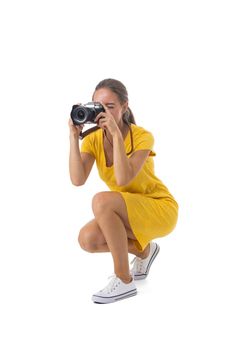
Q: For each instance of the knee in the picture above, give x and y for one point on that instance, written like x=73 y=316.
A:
x=85 y=241
x=101 y=202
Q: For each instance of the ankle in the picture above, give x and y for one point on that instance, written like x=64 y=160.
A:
x=128 y=280
x=145 y=253
x=125 y=278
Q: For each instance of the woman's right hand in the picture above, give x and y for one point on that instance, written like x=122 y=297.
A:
x=75 y=130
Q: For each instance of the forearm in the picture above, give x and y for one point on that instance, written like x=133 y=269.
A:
x=122 y=169
x=77 y=172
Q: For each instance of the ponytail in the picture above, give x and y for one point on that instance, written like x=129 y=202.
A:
x=128 y=117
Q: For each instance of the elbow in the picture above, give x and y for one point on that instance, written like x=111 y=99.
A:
x=124 y=179
x=77 y=183
x=122 y=182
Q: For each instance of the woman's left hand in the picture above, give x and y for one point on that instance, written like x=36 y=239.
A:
x=105 y=120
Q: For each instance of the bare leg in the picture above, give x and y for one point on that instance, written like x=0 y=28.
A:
x=111 y=231
x=132 y=249
x=92 y=240
x=116 y=238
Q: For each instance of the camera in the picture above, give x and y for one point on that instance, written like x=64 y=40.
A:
x=86 y=114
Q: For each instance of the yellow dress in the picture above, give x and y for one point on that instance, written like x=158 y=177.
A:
x=152 y=210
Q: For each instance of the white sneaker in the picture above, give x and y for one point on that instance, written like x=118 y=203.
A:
x=114 y=291
x=141 y=267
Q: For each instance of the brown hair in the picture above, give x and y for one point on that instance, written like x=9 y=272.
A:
x=120 y=90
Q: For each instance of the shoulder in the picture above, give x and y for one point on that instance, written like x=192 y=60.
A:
x=142 y=139
x=141 y=133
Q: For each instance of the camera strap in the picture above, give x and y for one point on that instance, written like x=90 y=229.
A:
x=87 y=132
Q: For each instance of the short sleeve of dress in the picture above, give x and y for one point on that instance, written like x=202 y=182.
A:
x=144 y=140
x=87 y=145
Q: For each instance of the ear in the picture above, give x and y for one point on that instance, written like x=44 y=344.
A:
x=125 y=107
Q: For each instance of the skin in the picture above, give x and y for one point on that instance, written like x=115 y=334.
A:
x=110 y=229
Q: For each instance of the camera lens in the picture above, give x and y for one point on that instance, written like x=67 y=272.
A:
x=80 y=115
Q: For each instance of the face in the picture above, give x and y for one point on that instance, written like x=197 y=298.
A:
x=111 y=101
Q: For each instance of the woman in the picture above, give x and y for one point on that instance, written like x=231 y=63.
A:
x=138 y=208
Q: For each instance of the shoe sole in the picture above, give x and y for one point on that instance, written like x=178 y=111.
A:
x=106 y=300
x=142 y=276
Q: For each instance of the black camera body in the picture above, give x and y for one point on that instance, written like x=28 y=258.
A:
x=86 y=114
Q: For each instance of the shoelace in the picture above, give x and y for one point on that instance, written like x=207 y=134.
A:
x=112 y=284
x=138 y=263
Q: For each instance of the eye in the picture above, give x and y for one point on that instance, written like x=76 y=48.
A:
x=110 y=105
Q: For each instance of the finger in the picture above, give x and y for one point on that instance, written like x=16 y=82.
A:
x=103 y=124
x=100 y=116
x=103 y=127
x=79 y=127
x=105 y=107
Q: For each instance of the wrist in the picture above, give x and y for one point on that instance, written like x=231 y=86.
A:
x=74 y=138
x=117 y=135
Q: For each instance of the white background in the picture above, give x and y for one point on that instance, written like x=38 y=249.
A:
x=175 y=58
